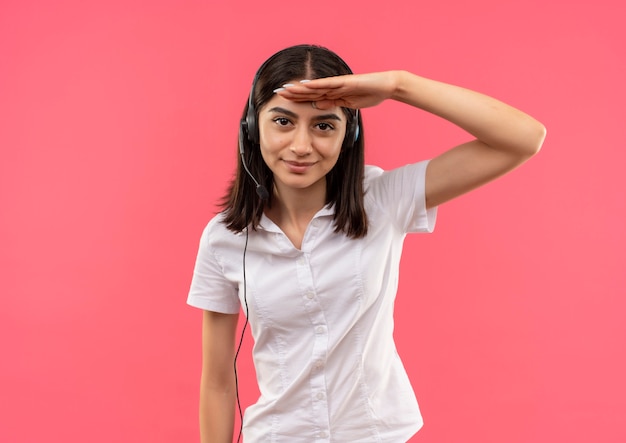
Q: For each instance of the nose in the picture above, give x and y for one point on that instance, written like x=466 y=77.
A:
x=301 y=143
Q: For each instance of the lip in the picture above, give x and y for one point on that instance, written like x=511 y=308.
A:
x=298 y=167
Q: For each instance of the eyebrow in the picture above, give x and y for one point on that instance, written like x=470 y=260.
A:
x=279 y=110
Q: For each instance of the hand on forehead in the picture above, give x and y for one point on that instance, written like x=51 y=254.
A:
x=298 y=104
x=322 y=93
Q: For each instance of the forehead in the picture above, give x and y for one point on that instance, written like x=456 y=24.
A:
x=301 y=109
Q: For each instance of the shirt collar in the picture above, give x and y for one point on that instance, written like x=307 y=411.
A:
x=268 y=225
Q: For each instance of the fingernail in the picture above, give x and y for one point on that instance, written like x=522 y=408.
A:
x=286 y=85
x=304 y=81
x=278 y=90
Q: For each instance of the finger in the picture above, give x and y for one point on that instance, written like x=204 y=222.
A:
x=326 y=82
x=300 y=95
x=319 y=86
x=323 y=98
x=324 y=104
x=322 y=101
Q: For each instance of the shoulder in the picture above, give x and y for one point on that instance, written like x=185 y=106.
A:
x=371 y=173
x=399 y=196
x=215 y=226
x=216 y=235
x=410 y=174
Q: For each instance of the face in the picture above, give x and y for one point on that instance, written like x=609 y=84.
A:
x=300 y=144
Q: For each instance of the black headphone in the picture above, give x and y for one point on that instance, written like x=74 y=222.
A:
x=250 y=127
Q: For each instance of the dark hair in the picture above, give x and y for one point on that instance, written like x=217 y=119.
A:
x=242 y=206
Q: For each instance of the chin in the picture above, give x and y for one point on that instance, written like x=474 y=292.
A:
x=300 y=182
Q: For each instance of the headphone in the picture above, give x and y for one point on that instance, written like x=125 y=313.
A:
x=250 y=125
x=249 y=128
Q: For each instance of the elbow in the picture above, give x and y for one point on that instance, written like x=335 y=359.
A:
x=540 y=136
x=533 y=141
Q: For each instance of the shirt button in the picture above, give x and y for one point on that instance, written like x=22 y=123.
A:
x=320 y=329
x=322 y=435
x=301 y=261
x=309 y=295
x=320 y=396
x=319 y=364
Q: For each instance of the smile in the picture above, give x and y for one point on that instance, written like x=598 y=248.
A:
x=298 y=167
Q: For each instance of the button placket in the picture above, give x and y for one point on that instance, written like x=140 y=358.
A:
x=317 y=379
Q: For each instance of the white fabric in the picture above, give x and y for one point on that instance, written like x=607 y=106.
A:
x=322 y=317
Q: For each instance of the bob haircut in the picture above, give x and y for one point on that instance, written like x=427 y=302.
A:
x=241 y=205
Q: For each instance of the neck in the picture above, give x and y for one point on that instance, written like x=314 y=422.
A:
x=296 y=207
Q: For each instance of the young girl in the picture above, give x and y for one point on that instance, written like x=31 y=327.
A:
x=309 y=244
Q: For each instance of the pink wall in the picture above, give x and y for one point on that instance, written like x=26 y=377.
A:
x=118 y=124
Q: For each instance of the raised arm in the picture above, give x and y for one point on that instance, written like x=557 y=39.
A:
x=217 y=383
x=504 y=136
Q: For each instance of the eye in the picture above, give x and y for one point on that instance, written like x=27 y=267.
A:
x=281 y=121
x=325 y=126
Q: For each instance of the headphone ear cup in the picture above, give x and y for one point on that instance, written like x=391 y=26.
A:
x=353 y=131
x=252 y=129
x=243 y=133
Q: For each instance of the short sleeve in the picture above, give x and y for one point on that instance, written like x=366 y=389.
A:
x=401 y=193
x=210 y=289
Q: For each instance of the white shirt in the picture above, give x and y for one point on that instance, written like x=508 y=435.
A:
x=322 y=317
